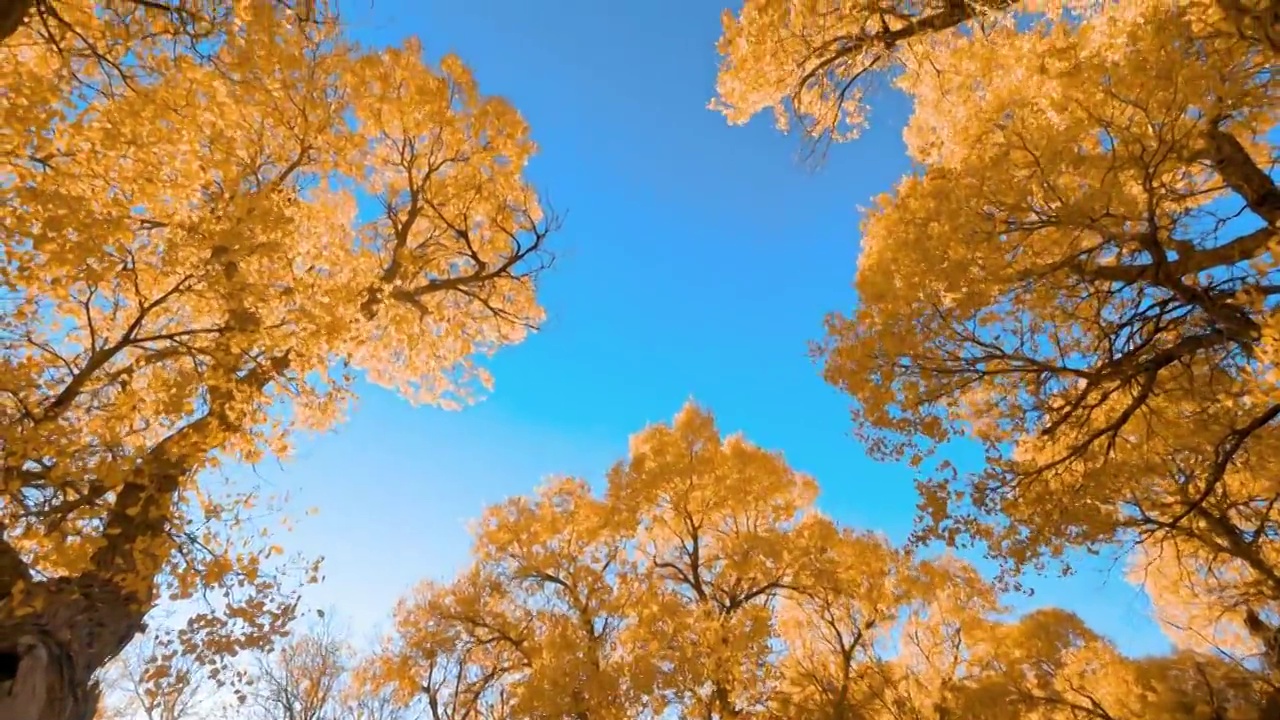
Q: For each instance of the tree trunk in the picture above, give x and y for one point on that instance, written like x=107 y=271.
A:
x=13 y=13
x=48 y=657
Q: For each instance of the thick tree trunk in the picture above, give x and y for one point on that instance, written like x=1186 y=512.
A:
x=44 y=687
x=48 y=657
x=13 y=13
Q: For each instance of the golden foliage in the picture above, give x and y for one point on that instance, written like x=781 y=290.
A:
x=1079 y=274
x=204 y=242
x=813 y=64
x=703 y=583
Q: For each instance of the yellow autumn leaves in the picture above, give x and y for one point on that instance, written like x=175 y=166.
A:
x=702 y=582
x=187 y=281
x=1079 y=277
x=1078 y=274
x=672 y=591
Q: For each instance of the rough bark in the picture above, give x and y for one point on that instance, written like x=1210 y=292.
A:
x=48 y=657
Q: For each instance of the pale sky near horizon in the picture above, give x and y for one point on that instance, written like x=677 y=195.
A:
x=697 y=260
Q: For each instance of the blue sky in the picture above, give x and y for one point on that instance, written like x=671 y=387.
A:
x=697 y=260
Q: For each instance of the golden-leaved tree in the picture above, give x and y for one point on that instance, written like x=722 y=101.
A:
x=704 y=584
x=1080 y=273
x=312 y=676
x=812 y=64
x=204 y=243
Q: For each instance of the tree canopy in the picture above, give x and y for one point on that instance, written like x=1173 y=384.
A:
x=1079 y=275
x=703 y=583
x=204 y=243
x=217 y=216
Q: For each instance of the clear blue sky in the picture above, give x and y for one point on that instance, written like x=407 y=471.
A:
x=697 y=260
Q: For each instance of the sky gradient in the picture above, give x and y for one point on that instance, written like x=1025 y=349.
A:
x=697 y=260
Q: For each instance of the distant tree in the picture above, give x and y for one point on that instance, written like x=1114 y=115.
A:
x=155 y=679
x=318 y=674
x=303 y=679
